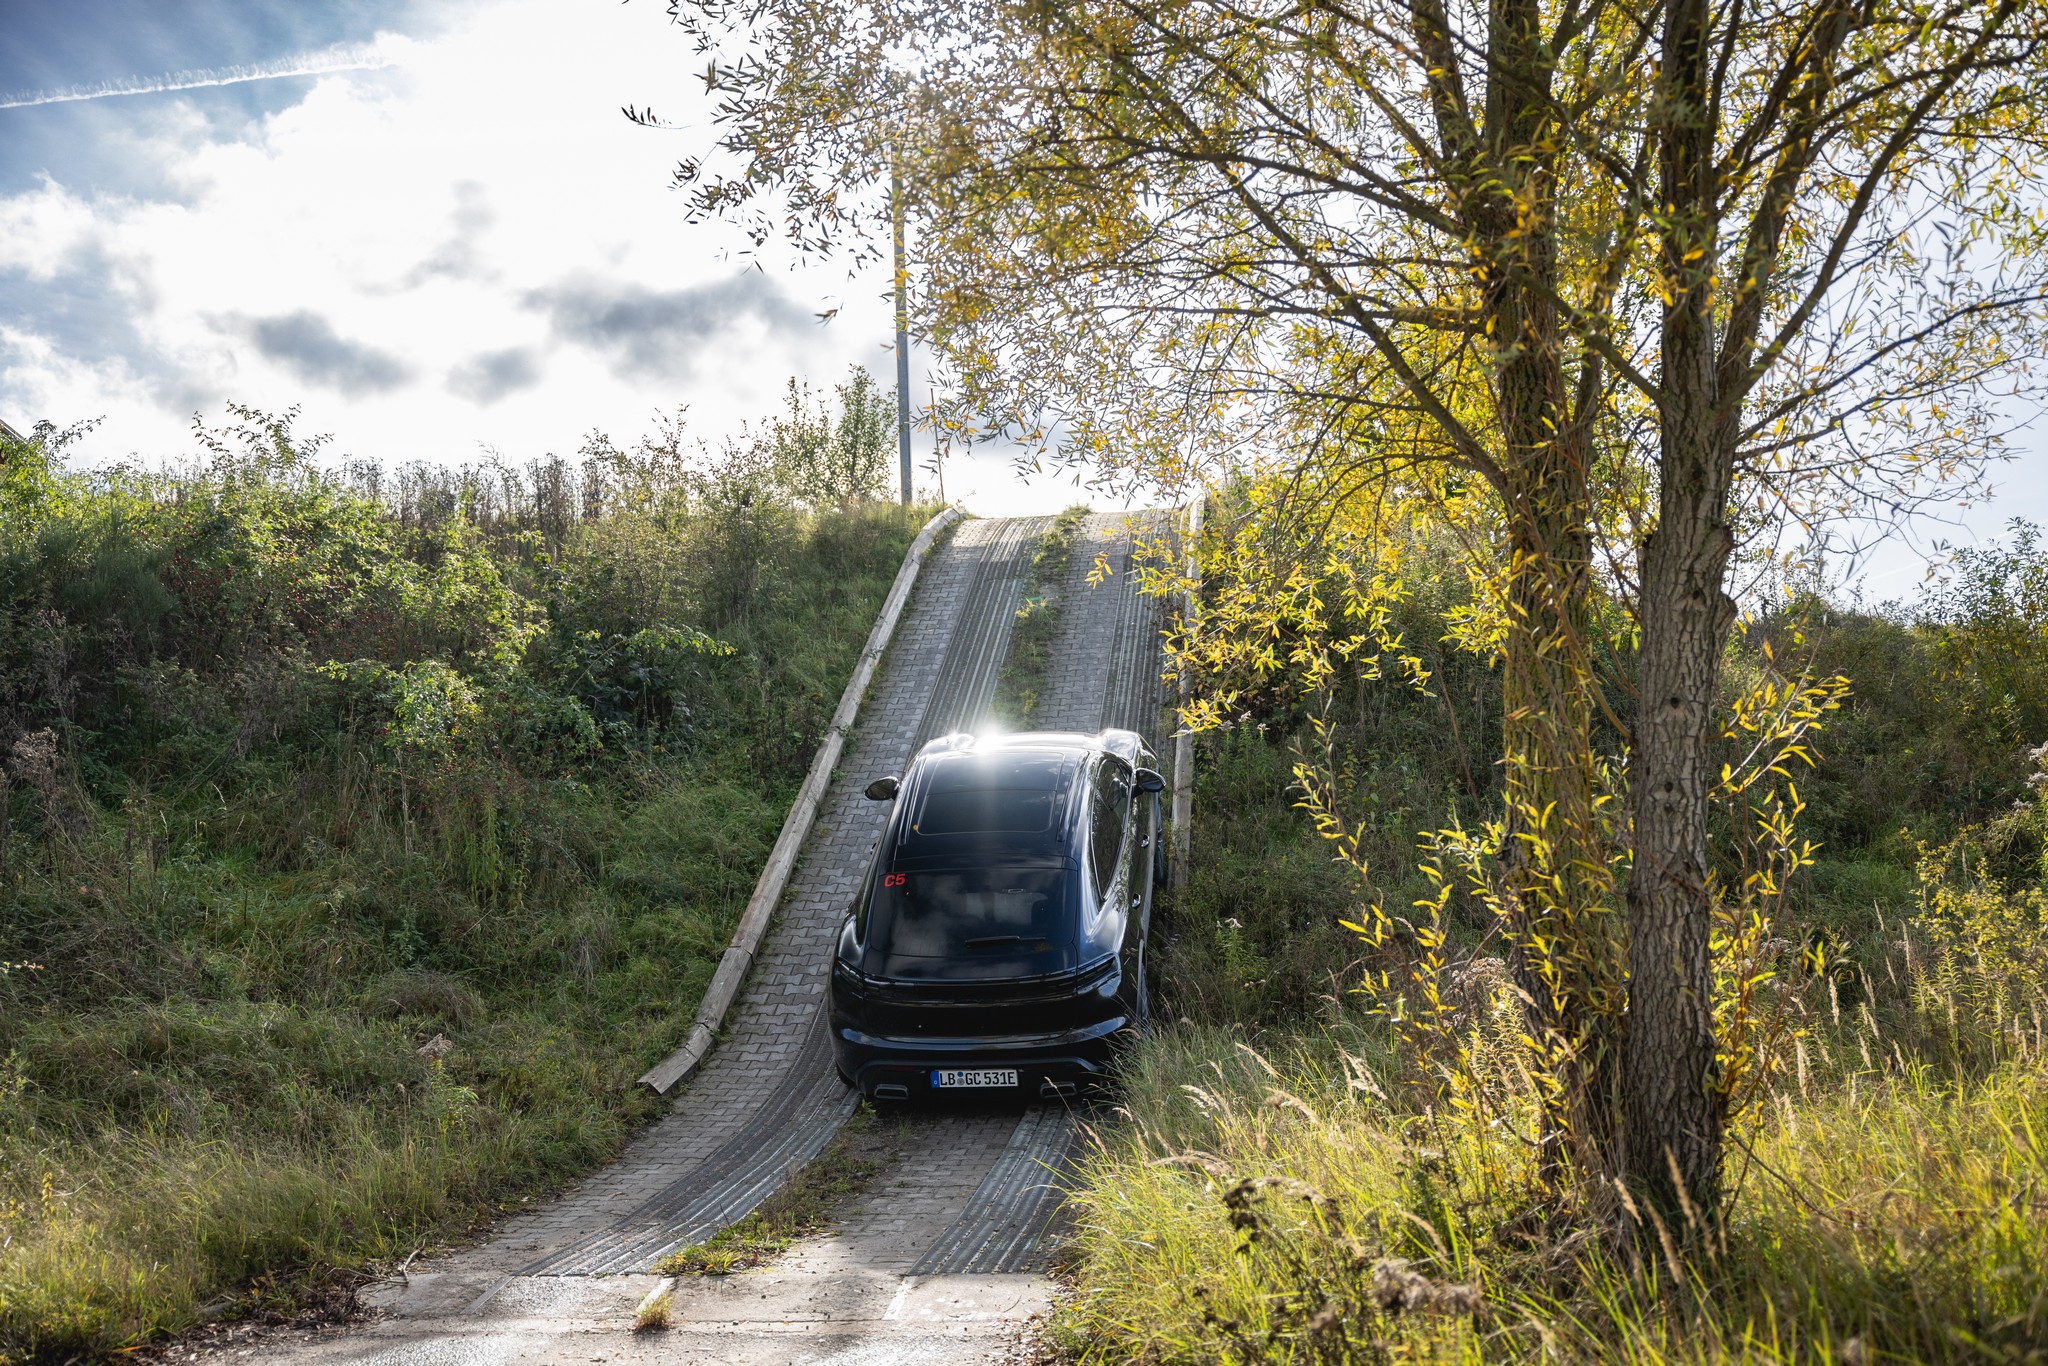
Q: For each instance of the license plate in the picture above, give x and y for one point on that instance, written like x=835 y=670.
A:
x=974 y=1076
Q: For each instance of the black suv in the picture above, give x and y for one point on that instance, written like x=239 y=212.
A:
x=997 y=944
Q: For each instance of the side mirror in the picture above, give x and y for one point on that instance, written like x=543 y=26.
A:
x=882 y=789
x=1149 y=781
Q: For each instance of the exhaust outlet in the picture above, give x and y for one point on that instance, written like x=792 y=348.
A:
x=892 y=1090
x=1056 y=1090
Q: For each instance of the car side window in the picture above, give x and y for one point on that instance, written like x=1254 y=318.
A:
x=1112 y=805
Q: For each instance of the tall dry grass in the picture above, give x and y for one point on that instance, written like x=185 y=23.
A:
x=1312 y=1197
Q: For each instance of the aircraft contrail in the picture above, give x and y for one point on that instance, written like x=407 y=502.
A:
x=347 y=57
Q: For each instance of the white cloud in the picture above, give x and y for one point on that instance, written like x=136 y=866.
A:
x=465 y=244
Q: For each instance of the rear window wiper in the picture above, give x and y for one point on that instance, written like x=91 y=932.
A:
x=994 y=939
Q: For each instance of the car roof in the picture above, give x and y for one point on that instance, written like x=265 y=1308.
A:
x=1125 y=744
x=1014 y=797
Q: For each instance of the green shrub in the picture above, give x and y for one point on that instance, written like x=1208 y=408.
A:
x=302 y=770
x=1255 y=936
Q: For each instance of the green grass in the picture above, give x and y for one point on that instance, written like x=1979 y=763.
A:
x=1283 y=1182
x=803 y=1205
x=1254 y=938
x=1029 y=656
x=1256 y=1207
x=249 y=886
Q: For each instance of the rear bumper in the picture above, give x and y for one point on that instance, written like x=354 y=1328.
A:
x=1046 y=1064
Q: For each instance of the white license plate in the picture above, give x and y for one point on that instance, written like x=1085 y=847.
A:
x=974 y=1076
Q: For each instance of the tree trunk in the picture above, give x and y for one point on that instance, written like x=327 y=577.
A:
x=1559 y=904
x=1563 y=930
x=1673 y=1108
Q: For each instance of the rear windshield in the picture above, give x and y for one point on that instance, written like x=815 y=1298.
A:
x=970 y=912
x=1016 y=794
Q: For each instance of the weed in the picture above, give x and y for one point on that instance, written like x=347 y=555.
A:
x=656 y=1312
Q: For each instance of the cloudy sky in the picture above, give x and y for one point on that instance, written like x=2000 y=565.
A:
x=426 y=222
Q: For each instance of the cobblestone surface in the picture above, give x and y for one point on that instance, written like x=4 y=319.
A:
x=967 y=681
x=945 y=1159
x=1105 y=669
x=1008 y=1223
x=925 y=681
x=885 y=1285
x=1105 y=672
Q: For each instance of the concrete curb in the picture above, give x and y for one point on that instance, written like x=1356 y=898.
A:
x=753 y=926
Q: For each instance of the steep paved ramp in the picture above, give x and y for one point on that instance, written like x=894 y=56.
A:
x=935 y=1263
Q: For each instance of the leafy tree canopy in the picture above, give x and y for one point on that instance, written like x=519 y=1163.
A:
x=1598 y=289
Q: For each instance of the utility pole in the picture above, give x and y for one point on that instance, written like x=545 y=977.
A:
x=902 y=332
x=1182 y=825
x=938 y=449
